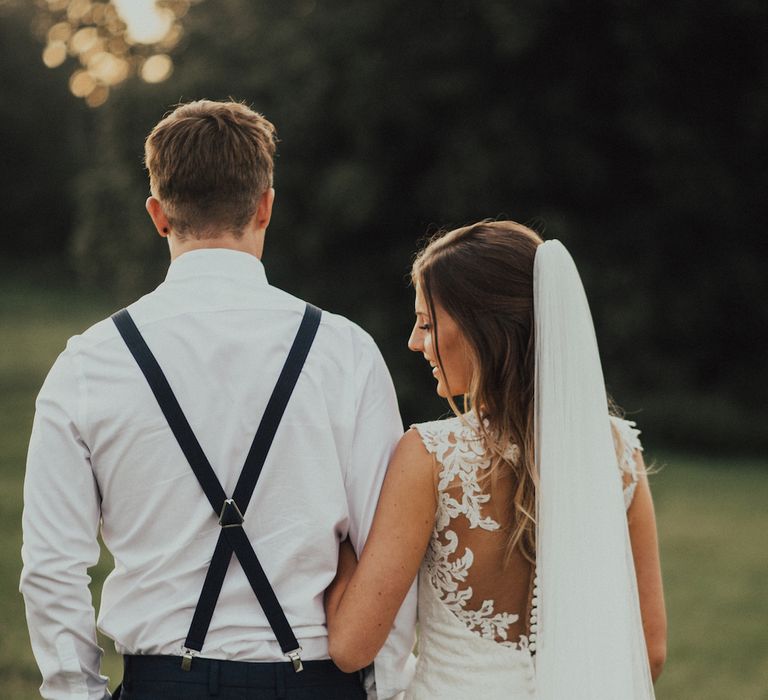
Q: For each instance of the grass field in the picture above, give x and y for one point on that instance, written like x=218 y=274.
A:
x=712 y=514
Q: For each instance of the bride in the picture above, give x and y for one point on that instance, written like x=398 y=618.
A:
x=527 y=516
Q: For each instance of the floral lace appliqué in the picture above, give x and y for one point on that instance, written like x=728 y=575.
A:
x=458 y=448
x=627 y=444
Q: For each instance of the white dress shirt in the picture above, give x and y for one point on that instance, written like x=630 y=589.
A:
x=102 y=454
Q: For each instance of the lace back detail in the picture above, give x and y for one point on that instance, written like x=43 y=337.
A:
x=465 y=559
x=465 y=563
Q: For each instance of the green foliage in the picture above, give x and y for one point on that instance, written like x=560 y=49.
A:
x=634 y=133
x=37 y=150
x=113 y=244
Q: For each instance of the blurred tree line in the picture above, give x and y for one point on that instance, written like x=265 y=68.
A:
x=634 y=132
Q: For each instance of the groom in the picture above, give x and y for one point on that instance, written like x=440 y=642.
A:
x=145 y=424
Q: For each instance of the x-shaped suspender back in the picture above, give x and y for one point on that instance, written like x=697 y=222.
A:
x=229 y=511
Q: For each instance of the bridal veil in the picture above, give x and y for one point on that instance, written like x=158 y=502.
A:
x=590 y=643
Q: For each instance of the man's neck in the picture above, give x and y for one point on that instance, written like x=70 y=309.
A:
x=252 y=243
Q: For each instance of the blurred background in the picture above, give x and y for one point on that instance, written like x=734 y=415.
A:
x=634 y=132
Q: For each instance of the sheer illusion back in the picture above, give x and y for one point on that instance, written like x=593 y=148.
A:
x=477 y=609
x=466 y=561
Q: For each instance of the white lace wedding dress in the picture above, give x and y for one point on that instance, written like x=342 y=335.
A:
x=478 y=618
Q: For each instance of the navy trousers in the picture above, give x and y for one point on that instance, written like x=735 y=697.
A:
x=162 y=678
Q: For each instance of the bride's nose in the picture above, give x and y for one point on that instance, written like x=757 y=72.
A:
x=415 y=342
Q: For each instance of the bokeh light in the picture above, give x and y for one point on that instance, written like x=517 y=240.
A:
x=146 y=22
x=157 y=68
x=55 y=54
x=110 y=40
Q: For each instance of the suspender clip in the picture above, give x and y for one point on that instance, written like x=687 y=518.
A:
x=186 y=658
x=230 y=515
x=295 y=657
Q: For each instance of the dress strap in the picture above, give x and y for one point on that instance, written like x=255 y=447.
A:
x=627 y=442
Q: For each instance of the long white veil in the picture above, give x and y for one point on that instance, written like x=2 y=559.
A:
x=590 y=643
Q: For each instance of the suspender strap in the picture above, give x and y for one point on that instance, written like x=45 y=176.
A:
x=229 y=511
x=273 y=413
x=171 y=409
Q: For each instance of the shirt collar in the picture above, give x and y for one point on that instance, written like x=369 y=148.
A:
x=217 y=262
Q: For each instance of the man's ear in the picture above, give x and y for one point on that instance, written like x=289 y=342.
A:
x=264 y=210
x=159 y=219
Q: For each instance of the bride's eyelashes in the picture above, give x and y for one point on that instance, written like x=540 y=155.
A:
x=425 y=327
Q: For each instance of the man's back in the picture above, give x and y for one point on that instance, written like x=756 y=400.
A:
x=221 y=335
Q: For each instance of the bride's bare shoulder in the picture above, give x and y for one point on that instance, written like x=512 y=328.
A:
x=411 y=450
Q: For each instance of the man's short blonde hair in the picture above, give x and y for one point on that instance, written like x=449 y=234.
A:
x=209 y=163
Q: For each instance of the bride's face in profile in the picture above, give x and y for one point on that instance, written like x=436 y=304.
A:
x=456 y=373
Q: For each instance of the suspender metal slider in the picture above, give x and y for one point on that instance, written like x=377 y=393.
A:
x=186 y=658
x=295 y=656
x=230 y=515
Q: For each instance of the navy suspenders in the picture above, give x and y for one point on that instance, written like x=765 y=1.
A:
x=229 y=511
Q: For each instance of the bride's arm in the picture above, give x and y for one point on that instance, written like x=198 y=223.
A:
x=362 y=603
x=645 y=552
x=346 y=567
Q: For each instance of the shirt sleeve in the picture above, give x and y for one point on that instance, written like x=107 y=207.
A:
x=60 y=526
x=378 y=428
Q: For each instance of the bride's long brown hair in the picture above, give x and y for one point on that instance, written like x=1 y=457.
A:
x=482 y=276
